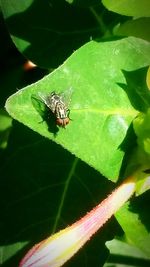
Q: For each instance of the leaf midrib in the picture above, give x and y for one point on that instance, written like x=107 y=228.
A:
x=118 y=111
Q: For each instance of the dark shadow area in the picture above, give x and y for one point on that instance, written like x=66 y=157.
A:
x=139 y=96
x=54 y=29
x=13 y=75
x=128 y=145
x=33 y=175
x=136 y=88
x=140 y=206
x=46 y=114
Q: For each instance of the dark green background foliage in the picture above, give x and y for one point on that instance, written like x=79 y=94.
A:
x=48 y=183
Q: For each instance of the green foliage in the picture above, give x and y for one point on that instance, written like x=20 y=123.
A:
x=135 y=225
x=41 y=37
x=139 y=25
x=142 y=130
x=84 y=3
x=102 y=115
x=48 y=183
x=136 y=27
x=5 y=125
x=121 y=250
x=129 y=7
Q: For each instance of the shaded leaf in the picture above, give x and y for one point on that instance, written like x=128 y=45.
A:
x=137 y=89
x=134 y=220
x=83 y=3
x=5 y=126
x=138 y=27
x=47 y=32
x=123 y=254
x=142 y=130
x=139 y=165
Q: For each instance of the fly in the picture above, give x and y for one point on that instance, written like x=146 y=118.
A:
x=57 y=103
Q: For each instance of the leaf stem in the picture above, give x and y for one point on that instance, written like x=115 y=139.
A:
x=99 y=19
x=72 y=170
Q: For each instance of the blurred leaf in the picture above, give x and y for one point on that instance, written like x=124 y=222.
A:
x=141 y=157
x=5 y=126
x=143 y=184
x=83 y=3
x=134 y=220
x=138 y=27
x=119 y=247
x=148 y=78
x=139 y=95
x=47 y=32
x=100 y=109
x=139 y=165
x=123 y=254
x=136 y=8
x=142 y=130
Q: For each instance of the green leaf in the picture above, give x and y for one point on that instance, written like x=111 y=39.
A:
x=100 y=109
x=142 y=130
x=9 y=251
x=5 y=126
x=134 y=220
x=47 y=32
x=141 y=157
x=123 y=254
x=136 y=8
x=139 y=162
x=138 y=27
x=139 y=166
x=148 y=78
x=143 y=183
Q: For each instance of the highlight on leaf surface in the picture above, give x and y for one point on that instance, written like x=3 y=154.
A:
x=5 y=126
x=148 y=78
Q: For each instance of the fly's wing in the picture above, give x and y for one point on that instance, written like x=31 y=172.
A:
x=66 y=96
x=47 y=101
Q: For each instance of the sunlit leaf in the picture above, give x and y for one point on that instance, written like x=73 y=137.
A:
x=136 y=8
x=100 y=109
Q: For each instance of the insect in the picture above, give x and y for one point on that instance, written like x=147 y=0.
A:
x=57 y=103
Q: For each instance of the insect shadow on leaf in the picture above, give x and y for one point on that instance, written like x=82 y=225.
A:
x=46 y=114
